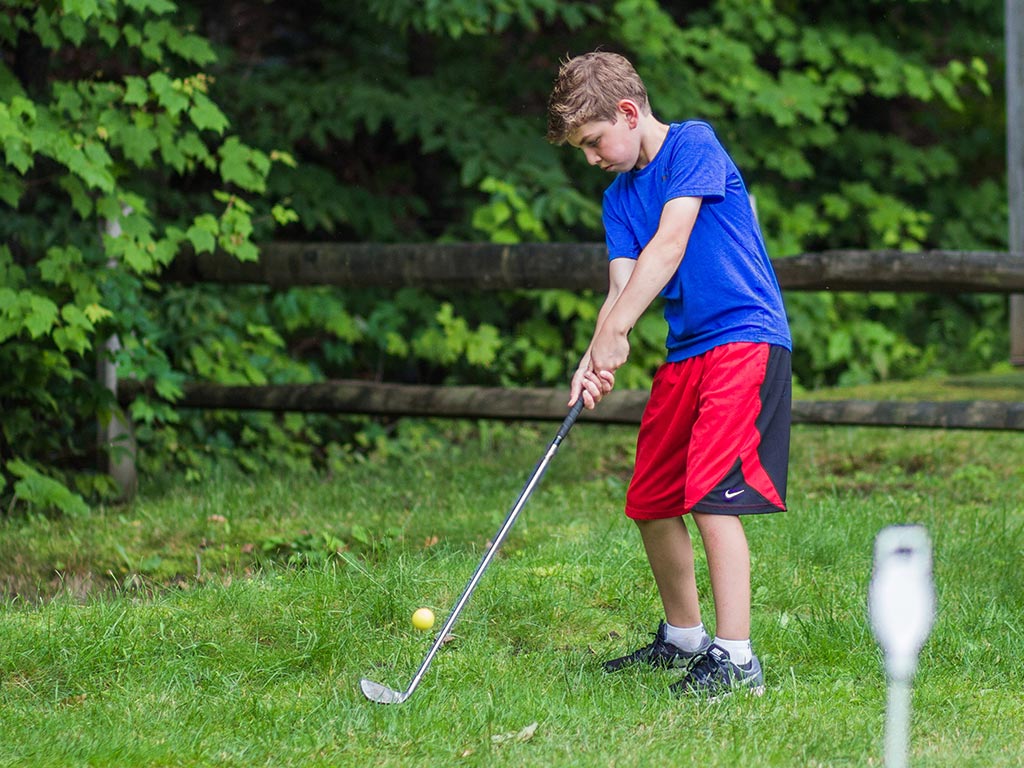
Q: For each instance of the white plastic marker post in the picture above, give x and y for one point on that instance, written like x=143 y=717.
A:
x=901 y=603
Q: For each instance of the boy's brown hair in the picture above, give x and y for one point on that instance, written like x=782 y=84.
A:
x=589 y=87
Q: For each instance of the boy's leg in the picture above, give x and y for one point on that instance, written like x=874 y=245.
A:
x=729 y=662
x=670 y=554
x=681 y=638
x=739 y=454
x=654 y=502
x=725 y=543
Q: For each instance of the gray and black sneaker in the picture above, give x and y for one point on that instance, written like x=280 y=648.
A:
x=714 y=675
x=659 y=654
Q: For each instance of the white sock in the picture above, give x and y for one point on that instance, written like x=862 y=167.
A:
x=740 y=651
x=685 y=638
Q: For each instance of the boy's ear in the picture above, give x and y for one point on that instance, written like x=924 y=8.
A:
x=630 y=112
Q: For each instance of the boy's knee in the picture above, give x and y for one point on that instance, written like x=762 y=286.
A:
x=656 y=523
x=708 y=521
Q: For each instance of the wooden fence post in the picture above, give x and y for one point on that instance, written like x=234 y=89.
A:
x=1015 y=160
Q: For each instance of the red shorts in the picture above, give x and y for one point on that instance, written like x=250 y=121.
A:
x=715 y=435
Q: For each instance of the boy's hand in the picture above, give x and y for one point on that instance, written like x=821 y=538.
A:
x=609 y=351
x=590 y=385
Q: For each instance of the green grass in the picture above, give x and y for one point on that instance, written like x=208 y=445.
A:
x=1002 y=383
x=228 y=623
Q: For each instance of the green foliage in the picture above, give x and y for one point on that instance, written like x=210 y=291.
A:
x=841 y=117
x=96 y=159
x=133 y=129
x=35 y=488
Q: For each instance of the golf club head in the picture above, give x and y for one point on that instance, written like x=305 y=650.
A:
x=381 y=693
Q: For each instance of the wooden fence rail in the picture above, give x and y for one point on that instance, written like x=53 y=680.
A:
x=545 y=404
x=490 y=267
x=573 y=266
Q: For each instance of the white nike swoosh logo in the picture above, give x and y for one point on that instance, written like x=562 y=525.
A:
x=733 y=494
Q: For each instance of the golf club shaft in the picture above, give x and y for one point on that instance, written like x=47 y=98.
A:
x=499 y=537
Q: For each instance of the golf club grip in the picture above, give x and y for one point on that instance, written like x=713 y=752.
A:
x=574 y=413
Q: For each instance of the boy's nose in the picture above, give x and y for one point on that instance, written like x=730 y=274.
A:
x=592 y=156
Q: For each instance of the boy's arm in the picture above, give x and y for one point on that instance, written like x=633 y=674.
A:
x=656 y=264
x=585 y=380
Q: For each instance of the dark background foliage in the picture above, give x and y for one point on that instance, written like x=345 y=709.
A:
x=225 y=124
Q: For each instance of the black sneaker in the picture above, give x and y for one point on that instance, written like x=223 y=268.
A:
x=713 y=675
x=659 y=654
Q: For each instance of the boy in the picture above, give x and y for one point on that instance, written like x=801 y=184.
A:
x=714 y=438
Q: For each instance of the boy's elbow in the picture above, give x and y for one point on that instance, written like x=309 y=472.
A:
x=669 y=252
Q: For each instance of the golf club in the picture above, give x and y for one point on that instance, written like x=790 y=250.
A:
x=384 y=695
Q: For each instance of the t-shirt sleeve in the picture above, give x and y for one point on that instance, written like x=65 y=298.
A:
x=698 y=166
x=618 y=235
x=695 y=165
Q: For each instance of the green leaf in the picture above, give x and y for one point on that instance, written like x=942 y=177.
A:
x=361 y=534
x=92 y=164
x=192 y=146
x=109 y=33
x=132 y=35
x=22 y=107
x=97 y=313
x=168 y=93
x=132 y=253
x=11 y=188
x=8 y=328
x=192 y=48
x=81 y=200
x=42 y=25
x=242 y=165
x=206 y=115
x=44 y=492
x=41 y=315
x=75 y=317
x=283 y=215
x=17 y=154
x=138 y=143
x=59 y=264
x=136 y=92
x=71 y=339
x=154 y=34
x=8 y=300
x=157 y=7
x=84 y=9
x=203 y=234
x=245 y=251
x=482 y=347
x=73 y=28
x=169 y=388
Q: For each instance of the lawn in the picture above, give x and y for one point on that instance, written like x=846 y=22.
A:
x=228 y=622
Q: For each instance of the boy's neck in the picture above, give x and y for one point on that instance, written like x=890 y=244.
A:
x=652 y=136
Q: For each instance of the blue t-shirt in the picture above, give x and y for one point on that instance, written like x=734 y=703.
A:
x=725 y=289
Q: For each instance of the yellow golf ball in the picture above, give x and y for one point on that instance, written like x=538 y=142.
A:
x=423 y=619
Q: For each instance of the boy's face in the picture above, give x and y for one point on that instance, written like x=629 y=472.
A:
x=612 y=146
